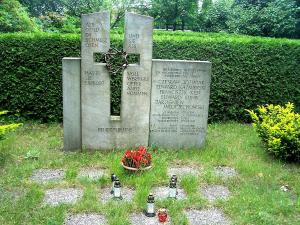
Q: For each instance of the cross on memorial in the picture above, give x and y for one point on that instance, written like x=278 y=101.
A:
x=116 y=62
x=177 y=91
x=101 y=128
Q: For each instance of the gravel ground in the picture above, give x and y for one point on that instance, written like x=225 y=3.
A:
x=215 y=192
x=47 y=175
x=141 y=219
x=225 y=171
x=58 y=196
x=92 y=173
x=163 y=192
x=183 y=170
x=127 y=194
x=211 y=216
x=85 y=219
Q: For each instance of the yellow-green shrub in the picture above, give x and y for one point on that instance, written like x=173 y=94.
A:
x=6 y=128
x=279 y=129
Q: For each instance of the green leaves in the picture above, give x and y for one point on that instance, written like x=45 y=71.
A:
x=247 y=71
x=279 y=128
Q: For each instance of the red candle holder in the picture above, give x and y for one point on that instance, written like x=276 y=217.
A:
x=162 y=215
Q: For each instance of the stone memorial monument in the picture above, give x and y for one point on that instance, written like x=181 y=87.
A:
x=163 y=102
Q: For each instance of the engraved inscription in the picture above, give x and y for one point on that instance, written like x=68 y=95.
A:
x=91 y=37
x=135 y=82
x=92 y=78
x=132 y=40
x=115 y=129
x=177 y=102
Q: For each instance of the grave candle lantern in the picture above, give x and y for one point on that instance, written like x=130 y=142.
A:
x=174 y=178
x=113 y=179
x=150 y=206
x=162 y=215
x=172 y=190
x=117 y=189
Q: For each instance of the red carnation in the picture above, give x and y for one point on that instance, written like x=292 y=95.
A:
x=137 y=158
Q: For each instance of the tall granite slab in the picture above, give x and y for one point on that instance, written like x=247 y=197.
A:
x=179 y=103
x=101 y=130
x=71 y=103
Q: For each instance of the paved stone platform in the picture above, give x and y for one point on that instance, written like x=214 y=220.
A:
x=181 y=170
x=215 y=192
x=163 y=193
x=85 y=219
x=212 y=216
x=47 y=175
x=126 y=192
x=58 y=196
x=225 y=171
x=141 y=219
x=92 y=173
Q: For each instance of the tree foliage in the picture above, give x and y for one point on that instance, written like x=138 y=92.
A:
x=276 y=18
x=14 y=18
x=174 y=12
x=272 y=18
x=43 y=7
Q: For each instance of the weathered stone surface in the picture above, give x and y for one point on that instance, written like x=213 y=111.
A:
x=47 y=175
x=100 y=129
x=179 y=103
x=71 y=103
x=92 y=173
x=181 y=171
x=141 y=219
x=85 y=219
x=126 y=193
x=58 y=196
x=215 y=192
x=176 y=91
x=163 y=193
x=211 y=216
x=225 y=171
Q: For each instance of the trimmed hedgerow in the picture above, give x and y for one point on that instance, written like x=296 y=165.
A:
x=247 y=71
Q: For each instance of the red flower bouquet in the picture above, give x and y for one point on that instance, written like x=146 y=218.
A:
x=138 y=159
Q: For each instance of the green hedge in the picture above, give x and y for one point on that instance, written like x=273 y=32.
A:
x=247 y=71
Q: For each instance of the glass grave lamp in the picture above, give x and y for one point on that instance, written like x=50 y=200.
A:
x=117 y=189
x=172 y=189
x=113 y=179
x=150 y=212
x=174 y=178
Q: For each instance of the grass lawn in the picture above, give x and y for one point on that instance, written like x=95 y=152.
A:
x=256 y=197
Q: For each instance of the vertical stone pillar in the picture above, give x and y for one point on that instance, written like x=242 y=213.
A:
x=71 y=104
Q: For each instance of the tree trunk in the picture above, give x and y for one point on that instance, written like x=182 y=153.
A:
x=182 y=25
x=174 y=26
x=118 y=18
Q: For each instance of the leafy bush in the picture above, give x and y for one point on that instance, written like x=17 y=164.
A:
x=14 y=18
x=270 y=18
x=279 y=129
x=247 y=71
x=56 y=23
x=277 y=19
x=4 y=129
